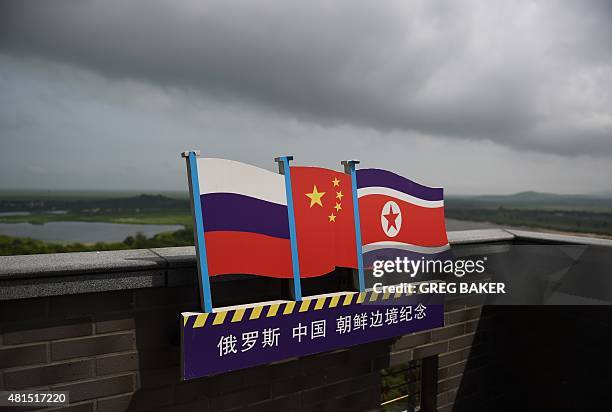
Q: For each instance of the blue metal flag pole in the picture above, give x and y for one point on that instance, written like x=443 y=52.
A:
x=349 y=168
x=198 y=230
x=283 y=168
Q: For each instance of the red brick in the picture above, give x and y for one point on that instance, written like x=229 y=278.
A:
x=430 y=350
x=90 y=346
x=23 y=355
x=49 y=374
x=464 y=315
x=115 y=404
x=81 y=407
x=461 y=342
x=410 y=341
x=447 y=332
x=96 y=388
x=34 y=332
x=453 y=357
x=450 y=383
x=115 y=325
x=117 y=363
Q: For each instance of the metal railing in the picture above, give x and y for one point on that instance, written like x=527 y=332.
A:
x=401 y=387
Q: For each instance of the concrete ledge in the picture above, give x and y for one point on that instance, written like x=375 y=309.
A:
x=76 y=284
x=30 y=276
x=25 y=266
x=479 y=236
x=177 y=257
x=540 y=237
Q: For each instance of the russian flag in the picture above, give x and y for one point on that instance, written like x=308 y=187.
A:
x=246 y=226
x=399 y=218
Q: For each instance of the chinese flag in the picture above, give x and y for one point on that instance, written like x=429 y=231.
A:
x=325 y=226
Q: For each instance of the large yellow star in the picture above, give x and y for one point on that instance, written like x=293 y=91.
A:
x=336 y=182
x=332 y=217
x=315 y=197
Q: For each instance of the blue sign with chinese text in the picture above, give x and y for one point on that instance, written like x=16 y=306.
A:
x=248 y=336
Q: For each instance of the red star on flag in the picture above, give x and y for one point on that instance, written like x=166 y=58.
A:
x=391 y=217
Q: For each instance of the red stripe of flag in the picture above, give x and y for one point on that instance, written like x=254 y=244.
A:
x=420 y=226
x=248 y=253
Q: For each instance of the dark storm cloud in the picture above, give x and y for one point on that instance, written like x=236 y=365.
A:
x=528 y=75
x=64 y=127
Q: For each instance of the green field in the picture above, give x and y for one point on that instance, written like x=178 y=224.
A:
x=557 y=220
x=534 y=201
x=109 y=207
x=563 y=213
x=26 y=246
x=172 y=217
x=9 y=195
x=575 y=214
x=92 y=207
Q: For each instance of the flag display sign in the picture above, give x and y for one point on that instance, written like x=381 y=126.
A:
x=259 y=334
x=300 y=223
x=306 y=221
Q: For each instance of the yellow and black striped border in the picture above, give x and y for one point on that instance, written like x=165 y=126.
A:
x=199 y=320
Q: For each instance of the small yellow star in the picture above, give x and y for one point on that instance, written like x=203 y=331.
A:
x=315 y=197
x=339 y=195
x=332 y=217
x=338 y=207
x=336 y=182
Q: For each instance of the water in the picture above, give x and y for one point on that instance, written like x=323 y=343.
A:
x=83 y=232
x=91 y=232
x=15 y=214
x=50 y=212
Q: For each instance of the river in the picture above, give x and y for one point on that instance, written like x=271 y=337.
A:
x=83 y=232
x=91 y=232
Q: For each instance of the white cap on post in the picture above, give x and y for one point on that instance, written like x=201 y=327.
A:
x=348 y=163
x=186 y=154
x=281 y=163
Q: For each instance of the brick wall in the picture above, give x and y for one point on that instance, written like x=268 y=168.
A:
x=104 y=325
x=119 y=350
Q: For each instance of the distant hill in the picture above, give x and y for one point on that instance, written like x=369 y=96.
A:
x=72 y=195
x=88 y=204
x=535 y=200
x=146 y=202
x=115 y=202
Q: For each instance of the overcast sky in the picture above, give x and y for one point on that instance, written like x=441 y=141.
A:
x=475 y=96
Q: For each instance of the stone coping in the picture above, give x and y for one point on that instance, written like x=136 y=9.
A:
x=85 y=272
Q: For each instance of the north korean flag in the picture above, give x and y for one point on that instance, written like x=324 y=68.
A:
x=399 y=217
x=324 y=219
